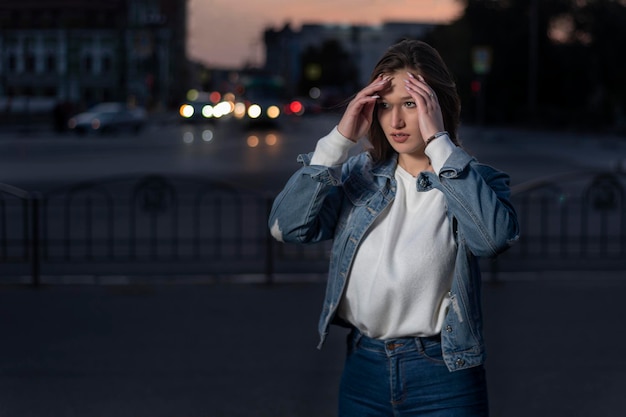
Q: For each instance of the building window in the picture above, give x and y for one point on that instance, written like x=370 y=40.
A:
x=51 y=63
x=50 y=91
x=107 y=64
x=108 y=95
x=12 y=63
x=29 y=63
x=87 y=64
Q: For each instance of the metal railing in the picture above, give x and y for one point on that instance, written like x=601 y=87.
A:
x=186 y=226
x=574 y=221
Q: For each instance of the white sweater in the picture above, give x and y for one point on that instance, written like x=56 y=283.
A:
x=402 y=270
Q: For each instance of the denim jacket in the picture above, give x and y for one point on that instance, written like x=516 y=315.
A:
x=342 y=202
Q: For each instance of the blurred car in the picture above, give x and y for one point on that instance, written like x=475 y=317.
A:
x=107 y=117
x=258 y=109
x=197 y=111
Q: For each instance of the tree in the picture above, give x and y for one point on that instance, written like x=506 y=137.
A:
x=577 y=55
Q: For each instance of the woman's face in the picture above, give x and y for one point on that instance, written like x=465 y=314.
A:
x=398 y=117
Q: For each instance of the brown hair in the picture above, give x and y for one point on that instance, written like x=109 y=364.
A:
x=424 y=60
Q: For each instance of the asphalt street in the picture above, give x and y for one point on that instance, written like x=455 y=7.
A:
x=264 y=157
x=554 y=349
x=554 y=340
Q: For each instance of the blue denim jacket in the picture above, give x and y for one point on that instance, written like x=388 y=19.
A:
x=342 y=202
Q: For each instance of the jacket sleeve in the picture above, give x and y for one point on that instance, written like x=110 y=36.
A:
x=478 y=200
x=307 y=209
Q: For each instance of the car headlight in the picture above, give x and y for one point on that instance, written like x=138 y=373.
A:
x=254 y=111
x=207 y=111
x=240 y=110
x=273 y=112
x=186 y=111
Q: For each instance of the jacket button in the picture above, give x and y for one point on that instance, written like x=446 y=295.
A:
x=449 y=328
x=460 y=362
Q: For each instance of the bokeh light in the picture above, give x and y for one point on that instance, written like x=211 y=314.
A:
x=254 y=111
x=186 y=111
x=188 y=137
x=192 y=95
x=273 y=112
x=240 y=110
x=215 y=97
x=253 y=141
x=315 y=93
x=207 y=135
x=207 y=111
x=271 y=139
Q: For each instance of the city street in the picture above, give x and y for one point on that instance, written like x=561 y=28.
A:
x=231 y=350
x=264 y=158
x=139 y=169
x=553 y=341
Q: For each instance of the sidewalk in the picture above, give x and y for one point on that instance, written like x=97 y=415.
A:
x=555 y=349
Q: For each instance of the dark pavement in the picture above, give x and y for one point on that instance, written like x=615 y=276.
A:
x=555 y=343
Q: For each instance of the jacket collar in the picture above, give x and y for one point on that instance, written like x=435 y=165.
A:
x=386 y=168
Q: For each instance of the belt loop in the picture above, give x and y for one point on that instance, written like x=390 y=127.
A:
x=356 y=337
x=419 y=344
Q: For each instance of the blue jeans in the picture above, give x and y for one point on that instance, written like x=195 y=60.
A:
x=407 y=377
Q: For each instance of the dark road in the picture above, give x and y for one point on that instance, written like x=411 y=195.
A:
x=250 y=350
x=232 y=349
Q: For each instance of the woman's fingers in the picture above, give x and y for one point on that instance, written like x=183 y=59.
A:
x=419 y=86
x=357 y=118
x=431 y=118
x=359 y=113
x=379 y=84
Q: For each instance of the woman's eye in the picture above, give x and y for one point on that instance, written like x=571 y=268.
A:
x=383 y=105
x=410 y=104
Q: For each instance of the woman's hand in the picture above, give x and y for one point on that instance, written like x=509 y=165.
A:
x=358 y=116
x=430 y=117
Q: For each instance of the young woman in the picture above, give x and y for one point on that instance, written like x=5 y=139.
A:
x=409 y=217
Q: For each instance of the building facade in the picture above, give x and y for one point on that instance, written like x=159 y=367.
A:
x=365 y=44
x=88 y=51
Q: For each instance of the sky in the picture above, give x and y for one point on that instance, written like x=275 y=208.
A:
x=229 y=33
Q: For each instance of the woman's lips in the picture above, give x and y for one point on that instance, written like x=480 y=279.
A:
x=399 y=137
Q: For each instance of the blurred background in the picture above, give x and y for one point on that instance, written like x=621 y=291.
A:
x=143 y=141
x=549 y=63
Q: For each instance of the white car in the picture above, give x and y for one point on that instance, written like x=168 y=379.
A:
x=107 y=117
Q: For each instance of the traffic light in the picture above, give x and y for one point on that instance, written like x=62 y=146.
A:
x=476 y=86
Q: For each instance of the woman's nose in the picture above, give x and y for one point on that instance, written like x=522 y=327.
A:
x=397 y=121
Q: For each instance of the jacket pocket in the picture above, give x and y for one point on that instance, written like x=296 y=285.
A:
x=358 y=191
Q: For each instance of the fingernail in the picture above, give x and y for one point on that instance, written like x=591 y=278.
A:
x=411 y=75
x=421 y=78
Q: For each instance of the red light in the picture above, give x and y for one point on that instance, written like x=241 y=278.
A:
x=296 y=107
x=475 y=86
x=215 y=97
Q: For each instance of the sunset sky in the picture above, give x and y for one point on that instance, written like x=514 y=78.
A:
x=229 y=33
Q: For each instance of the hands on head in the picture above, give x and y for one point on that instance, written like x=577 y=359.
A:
x=359 y=114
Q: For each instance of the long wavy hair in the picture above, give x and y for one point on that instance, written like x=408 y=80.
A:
x=421 y=59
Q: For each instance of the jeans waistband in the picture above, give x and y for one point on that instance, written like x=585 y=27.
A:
x=392 y=346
